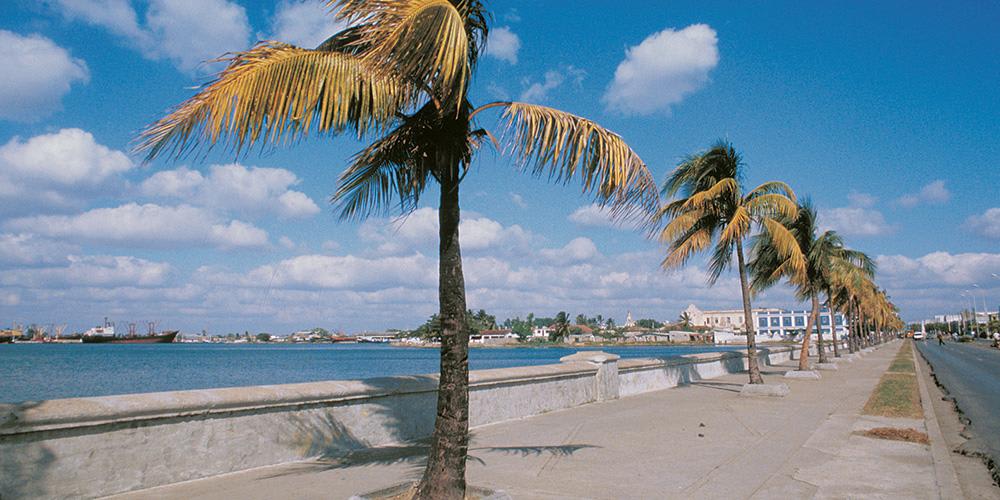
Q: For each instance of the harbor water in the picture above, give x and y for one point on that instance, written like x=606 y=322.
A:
x=33 y=372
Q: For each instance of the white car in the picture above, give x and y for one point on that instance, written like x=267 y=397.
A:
x=919 y=335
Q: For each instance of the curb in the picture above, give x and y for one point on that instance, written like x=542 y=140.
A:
x=944 y=469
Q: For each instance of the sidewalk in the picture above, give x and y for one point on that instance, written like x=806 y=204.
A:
x=699 y=441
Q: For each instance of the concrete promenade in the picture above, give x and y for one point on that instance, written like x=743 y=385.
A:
x=697 y=441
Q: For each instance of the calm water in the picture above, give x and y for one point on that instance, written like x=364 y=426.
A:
x=46 y=371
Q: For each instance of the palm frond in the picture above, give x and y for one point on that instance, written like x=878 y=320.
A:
x=277 y=92
x=683 y=248
x=787 y=248
x=772 y=205
x=737 y=227
x=723 y=188
x=425 y=40
x=565 y=146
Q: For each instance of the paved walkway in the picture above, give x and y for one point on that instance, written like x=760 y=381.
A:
x=699 y=441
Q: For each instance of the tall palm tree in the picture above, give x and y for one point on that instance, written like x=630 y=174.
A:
x=821 y=251
x=848 y=281
x=400 y=73
x=767 y=267
x=712 y=207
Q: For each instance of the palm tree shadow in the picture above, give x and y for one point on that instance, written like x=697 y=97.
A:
x=722 y=386
x=24 y=473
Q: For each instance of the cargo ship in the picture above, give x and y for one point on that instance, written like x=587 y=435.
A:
x=106 y=335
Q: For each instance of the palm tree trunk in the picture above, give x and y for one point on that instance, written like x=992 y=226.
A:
x=444 y=477
x=752 y=366
x=833 y=325
x=804 y=352
x=819 y=330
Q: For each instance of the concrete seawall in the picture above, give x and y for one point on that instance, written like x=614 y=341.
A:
x=89 y=447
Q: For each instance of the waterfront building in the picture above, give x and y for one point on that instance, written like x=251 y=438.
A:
x=541 y=332
x=494 y=337
x=771 y=322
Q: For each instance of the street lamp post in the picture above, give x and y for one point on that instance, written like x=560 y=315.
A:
x=986 y=310
x=972 y=324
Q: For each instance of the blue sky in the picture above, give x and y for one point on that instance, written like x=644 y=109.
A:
x=884 y=114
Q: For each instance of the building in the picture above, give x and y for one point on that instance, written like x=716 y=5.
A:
x=772 y=323
x=541 y=332
x=494 y=337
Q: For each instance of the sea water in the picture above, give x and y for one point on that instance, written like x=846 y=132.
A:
x=33 y=372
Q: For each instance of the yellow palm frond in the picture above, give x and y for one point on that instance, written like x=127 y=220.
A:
x=724 y=188
x=772 y=205
x=568 y=146
x=276 y=92
x=423 y=40
x=684 y=249
x=737 y=228
x=777 y=187
x=679 y=225
x=793 y=262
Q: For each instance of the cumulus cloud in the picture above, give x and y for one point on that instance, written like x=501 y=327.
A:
x=185 y=32
x=27 y=249
x=57 y=170
x=934 y=193
x=594 y=215
x=90 y=271
x=36 y=75
x=503 y=44
x=577 y=250
x=146 y=225
x=249 y=191
x=854 y=221
x=863 y=200
x=662 y=70
x=539 y=91
x=306 y=23
x=419 y=230
x=986 y=225
x=335 y=272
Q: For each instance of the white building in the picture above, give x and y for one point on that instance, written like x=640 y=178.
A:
x=772 y=323
x=541 y=332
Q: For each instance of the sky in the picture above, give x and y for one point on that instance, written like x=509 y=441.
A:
x=885 y=114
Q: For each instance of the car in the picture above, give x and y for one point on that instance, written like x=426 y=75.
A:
x=919 y=335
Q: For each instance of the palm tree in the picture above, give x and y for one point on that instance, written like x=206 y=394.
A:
x=820 y=251
x=685 y=320
x=849 y=281
x=400 y=73
x=561 y=326
x=713 y=208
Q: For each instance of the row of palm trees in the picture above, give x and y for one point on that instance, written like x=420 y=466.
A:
x=398 y=77
x=710 y=209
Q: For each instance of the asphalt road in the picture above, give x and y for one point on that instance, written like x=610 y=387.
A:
x=971 y=374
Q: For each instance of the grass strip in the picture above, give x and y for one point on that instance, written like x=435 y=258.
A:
x=897 y=394
x=895 y=434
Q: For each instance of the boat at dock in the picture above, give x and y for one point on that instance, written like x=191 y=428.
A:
x=106 y=335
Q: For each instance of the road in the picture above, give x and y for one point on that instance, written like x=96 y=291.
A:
x=971 y=374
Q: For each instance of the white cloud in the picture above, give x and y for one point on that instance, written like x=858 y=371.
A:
x=503 y=44
x=518 y=200
x=934 y=193
x=249 y=191
x=539 y=91
x=28 y=249
x=863 y=200
x=577 y=250
x=36 y=75
x=185 y=32
x=70 y=157
x=419 y=230
x=937 y=269
x=57 y=171
x=662 y=70
x=594 y=215
x=336 y=272
x=306 y=23
x=854 y=221
x=146 y=225
x=90 y=271
x=986 y=225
